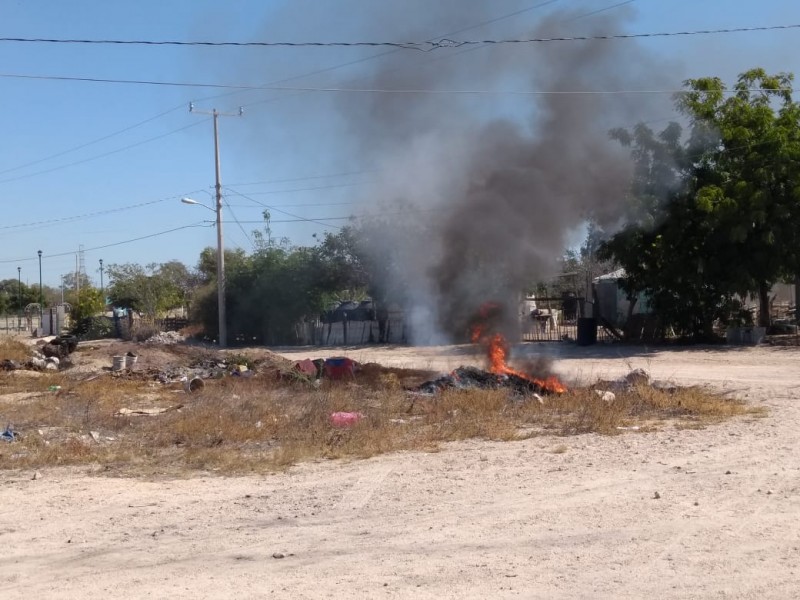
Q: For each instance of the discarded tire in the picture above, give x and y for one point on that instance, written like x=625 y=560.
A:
x=587 y=331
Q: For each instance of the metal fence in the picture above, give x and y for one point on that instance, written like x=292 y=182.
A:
x=18 y=325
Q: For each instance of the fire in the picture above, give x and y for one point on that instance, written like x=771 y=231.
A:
x=498 y=350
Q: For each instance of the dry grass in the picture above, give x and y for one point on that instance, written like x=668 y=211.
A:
x=13 y=349
x=261 y=424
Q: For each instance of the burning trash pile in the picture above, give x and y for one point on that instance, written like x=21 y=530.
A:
x=499 y=375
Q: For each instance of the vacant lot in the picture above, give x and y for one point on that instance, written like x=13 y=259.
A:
x=673 y=513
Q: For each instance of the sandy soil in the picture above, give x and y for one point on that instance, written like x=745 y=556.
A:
x=476 y=520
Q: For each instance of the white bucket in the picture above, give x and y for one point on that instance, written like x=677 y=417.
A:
x=130 y=361
x=117 y=363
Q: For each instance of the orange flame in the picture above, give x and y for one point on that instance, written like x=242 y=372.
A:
x=498 y=350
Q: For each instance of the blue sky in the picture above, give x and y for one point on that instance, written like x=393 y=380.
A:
x=291 y=151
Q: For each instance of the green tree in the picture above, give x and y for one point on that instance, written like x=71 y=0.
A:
x=750 y=141
x=151 y=289
x=714 y=215
x=15 y=296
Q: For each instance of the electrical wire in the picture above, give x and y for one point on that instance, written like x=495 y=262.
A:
x=273 y=208
x=375 y=91
x=92 y=142
x=311 y=189
x=108 y=211
x=424 y=46
x=111 y=245
x=600 y=10
x=309 y=178
x=103 y=155
x=233 y=215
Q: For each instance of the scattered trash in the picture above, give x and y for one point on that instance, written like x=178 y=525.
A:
x=95 y=435
x=634 y=428
x=9 y=365
x=340 y=367
x=345 y=419
x=54 y=388
x=606 y=396
x=307 y=367
x=36 y=475
x=149 y=412
x=194 y=386
x=165 y=338
x=9 y=435
x=37 y=363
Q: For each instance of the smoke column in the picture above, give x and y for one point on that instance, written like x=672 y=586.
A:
x=484 y=189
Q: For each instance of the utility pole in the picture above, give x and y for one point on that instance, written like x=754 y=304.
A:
x=223 y=328
x=62 y=289
x=41 y=296
x=102 y=292
x=19 y=298
x=77 y=282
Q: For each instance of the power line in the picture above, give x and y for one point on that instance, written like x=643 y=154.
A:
x=230 y=209
x=138 y=239
x=310 y=189
x=288 y=214
x=92 y=142
x=600 y=10
x=424 y=46
x=103 y=155
x=108 y=211
x=371 y=91
x=317 y=204
x=309 y=178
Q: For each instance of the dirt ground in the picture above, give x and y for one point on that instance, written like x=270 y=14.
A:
x=711 y=513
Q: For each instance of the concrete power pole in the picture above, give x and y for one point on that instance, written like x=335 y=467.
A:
x=223 y=328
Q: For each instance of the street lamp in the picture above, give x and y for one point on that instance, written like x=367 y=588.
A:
x=223 y=330
x=41 y=295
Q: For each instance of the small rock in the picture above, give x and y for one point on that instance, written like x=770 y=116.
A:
x=696 y=503
x=769 y=492
x=278 y=555
x=36 y=476
x=638 y=377
x=606 y=396
x=51 y=367
x=727 y=472
x=656 y=496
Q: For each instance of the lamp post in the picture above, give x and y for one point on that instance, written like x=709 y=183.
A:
x=41 y=295
x=223 y=330
x=102 y=293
